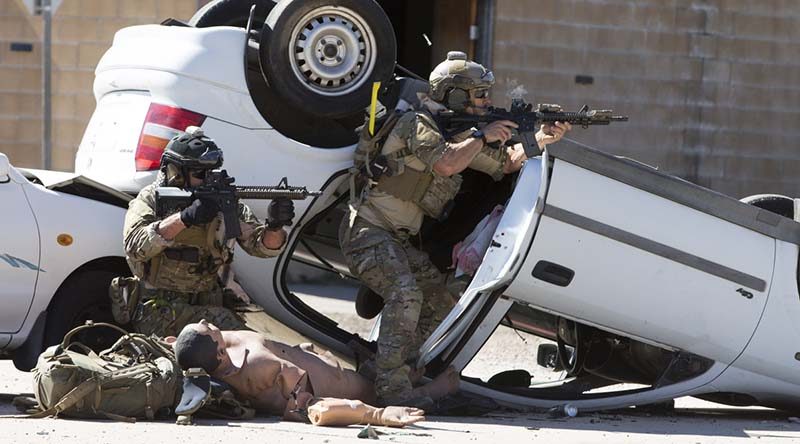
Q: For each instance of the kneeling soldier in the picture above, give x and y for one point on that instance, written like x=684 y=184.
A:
x=175 y=260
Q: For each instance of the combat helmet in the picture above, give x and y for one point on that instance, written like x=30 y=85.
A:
x=189 y=151
x=451 y=80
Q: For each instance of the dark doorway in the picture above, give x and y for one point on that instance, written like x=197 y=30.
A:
x=427 y=29
x=412 y=21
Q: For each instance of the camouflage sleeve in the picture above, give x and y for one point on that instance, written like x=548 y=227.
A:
x=251 y=239
x=425 y=140
x=490 y=161
x=141 y=240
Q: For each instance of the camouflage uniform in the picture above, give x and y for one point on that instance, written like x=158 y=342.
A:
x=375 y=243
x=179 y=277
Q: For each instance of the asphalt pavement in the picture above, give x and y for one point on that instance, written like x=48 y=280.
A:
x=691 y=421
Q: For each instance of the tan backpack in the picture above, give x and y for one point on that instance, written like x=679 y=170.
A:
x=370 y=144
x=138 y=377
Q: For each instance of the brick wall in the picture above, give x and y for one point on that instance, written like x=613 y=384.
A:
x=20 y=84
x=82 y=30
x=712 y=86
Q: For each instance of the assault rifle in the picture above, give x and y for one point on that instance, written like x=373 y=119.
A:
x=528 y=119
x=218 y=186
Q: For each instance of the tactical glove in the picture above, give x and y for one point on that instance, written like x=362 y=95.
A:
x=201 y=211
x=280 y=212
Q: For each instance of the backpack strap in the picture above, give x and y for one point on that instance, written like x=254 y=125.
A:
x=88 y=325
x=399 y=154
x=72 y=397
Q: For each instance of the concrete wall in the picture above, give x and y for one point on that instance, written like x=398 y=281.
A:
x=82 y=31
x=712 y=87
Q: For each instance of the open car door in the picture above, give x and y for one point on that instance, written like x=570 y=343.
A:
x=481 y=306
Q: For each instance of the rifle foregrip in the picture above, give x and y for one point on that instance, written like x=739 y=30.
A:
x=593 y=117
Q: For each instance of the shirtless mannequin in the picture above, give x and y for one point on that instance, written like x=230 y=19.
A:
x=290 y=381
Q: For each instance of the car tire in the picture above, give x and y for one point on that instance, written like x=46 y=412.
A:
x=774 y=203
x=231 y=13
x=80 y=298
x=350 y=45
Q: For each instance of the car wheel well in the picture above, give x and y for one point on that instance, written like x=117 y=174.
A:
x=325 y=55
x=69 y=302
x=84 y=292
x=296 y=123
x=108 y=263
x=774 y=203
x=299 y=121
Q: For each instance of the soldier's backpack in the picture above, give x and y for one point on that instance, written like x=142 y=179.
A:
x=366 y=161
x=137 y=377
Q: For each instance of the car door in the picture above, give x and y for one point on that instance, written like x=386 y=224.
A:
x=19 y=249
x=634 y=251
x=500 y=264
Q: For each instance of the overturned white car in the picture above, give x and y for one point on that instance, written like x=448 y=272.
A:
x=627 y=274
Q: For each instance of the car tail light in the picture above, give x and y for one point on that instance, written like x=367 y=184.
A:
x=161 y=124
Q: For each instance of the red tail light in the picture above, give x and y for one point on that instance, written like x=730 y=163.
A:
x=161 y=124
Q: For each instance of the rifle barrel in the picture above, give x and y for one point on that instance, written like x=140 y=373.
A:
x=266 y=192
x=578 y=117
x=569 y=116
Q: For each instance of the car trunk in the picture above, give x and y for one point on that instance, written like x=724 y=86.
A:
x=153 y=82
x=106 y=152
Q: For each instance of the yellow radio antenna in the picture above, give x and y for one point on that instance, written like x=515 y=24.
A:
x=373 y=107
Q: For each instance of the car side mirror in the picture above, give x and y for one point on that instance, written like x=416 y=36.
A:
x=5 y=169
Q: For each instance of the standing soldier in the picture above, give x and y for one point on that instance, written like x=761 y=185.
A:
x=423 y=180
x=175 y=260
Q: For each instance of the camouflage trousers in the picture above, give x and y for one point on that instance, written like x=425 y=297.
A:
x=165 y=313
x=416 y=301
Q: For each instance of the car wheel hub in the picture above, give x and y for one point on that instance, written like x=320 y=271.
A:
x=333 y=51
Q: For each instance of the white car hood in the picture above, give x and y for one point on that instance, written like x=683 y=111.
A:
x=56 y=180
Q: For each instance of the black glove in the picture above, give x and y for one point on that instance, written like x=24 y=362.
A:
x=280 y=212
x=201 y=211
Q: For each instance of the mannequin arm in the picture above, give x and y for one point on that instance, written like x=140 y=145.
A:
x=343 y=412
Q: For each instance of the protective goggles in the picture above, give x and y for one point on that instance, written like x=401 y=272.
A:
x=480 y=93
x=198 y=174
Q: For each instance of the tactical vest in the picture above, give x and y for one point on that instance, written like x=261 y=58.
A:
x=191 y=263
x=391 y=174
x=431 y=192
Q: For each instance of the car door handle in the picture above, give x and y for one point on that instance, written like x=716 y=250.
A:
x=553 y=273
